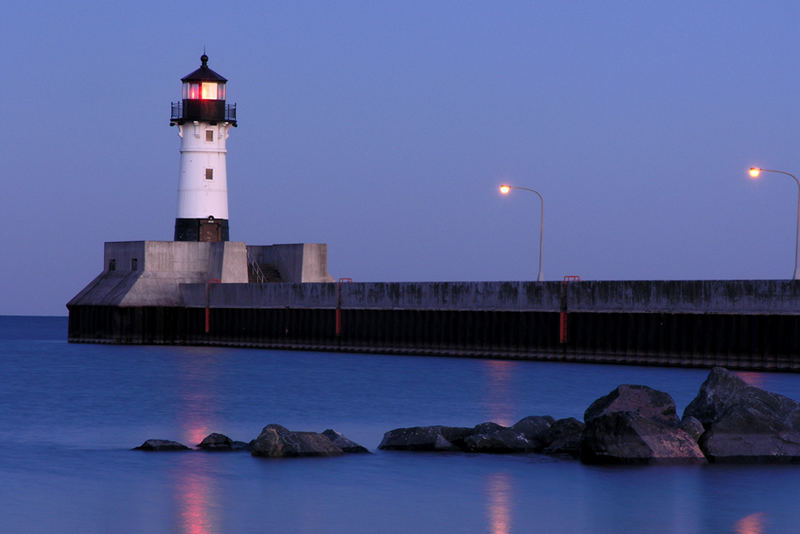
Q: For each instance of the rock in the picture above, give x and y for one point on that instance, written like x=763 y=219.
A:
x=563 y=437
x=636 y=424
x=220 y=442
x=279 y=442
x=643 y=401
x=692 y=426
x=160 y=445
x=425 y=438
x=745 y=424
x=502 y=440
x=716 y=395
x=486 y=428
x=525 y=435
x=343 y=443
x=534 y=428
x=628 y=438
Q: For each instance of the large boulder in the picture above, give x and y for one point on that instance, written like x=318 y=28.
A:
x=161 y=445
x=339 y=440
x=719 y=392
x=635 y=425
x=629 y=438
x=279 y=442
x=563 y=437
x=643 y=401
x=425 y=438
x=744 y=423
x=216 y=442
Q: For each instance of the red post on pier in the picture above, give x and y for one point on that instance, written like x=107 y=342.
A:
x=562 y=330
x=208 y=311
x=339 y=306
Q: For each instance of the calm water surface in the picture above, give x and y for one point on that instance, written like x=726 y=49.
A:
x=70 y=413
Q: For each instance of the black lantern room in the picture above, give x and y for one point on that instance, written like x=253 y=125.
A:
x=203 y=98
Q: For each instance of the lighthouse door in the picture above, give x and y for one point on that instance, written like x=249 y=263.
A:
x=210 y=230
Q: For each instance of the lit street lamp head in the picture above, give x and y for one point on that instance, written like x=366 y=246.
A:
x=754 y=172
x=505 y=189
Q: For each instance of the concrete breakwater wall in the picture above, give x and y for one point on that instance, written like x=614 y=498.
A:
x=678 y=296
x=746 y=324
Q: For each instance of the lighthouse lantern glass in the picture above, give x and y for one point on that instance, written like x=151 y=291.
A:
x=191 y=91
x=209 y=91
x=203 y=91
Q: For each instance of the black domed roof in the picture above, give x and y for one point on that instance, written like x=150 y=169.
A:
x=203 y=74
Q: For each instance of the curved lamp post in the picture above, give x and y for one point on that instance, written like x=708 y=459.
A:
x=754 y=173
x=506 y=189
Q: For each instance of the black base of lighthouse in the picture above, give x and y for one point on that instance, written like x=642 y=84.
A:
x=209 y=229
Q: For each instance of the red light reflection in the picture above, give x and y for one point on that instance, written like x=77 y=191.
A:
x=751 y=378
x=499 y=400
x=198 y=399
x=751 y=524
x=499 y=503
x=194 y=505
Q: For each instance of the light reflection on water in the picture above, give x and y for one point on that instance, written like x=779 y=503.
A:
x=751 y=524
x=498 y=501
x=193 y=499
x=752 y=378
x=198 y=396
x=499 y=400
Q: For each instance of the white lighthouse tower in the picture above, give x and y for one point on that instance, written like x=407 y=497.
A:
x=203 y=119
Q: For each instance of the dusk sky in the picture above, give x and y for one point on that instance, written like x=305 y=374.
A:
x=384 y=130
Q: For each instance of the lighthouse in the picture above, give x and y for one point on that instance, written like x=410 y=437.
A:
x=203 y=119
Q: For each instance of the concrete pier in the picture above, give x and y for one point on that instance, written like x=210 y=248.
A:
x=741 y=324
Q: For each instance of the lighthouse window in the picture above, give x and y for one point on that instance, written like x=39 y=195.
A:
x=112 y=265
x=209 y=174
x=209 y=135
x=134 y=264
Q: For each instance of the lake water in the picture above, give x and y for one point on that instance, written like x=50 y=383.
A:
x=69 y=415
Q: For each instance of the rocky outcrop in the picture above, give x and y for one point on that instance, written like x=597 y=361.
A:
x=728 y=421
x=743 y=423
x=347 y=445
x=527 y=435
x=161 y=445
x=425 y=438
x=215 y=442
x=636 y=425
x=276 y=441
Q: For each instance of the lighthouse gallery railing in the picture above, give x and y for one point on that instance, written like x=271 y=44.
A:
x=176 y=112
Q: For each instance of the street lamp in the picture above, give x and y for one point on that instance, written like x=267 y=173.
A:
x=755 y=172
x=506 y=189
